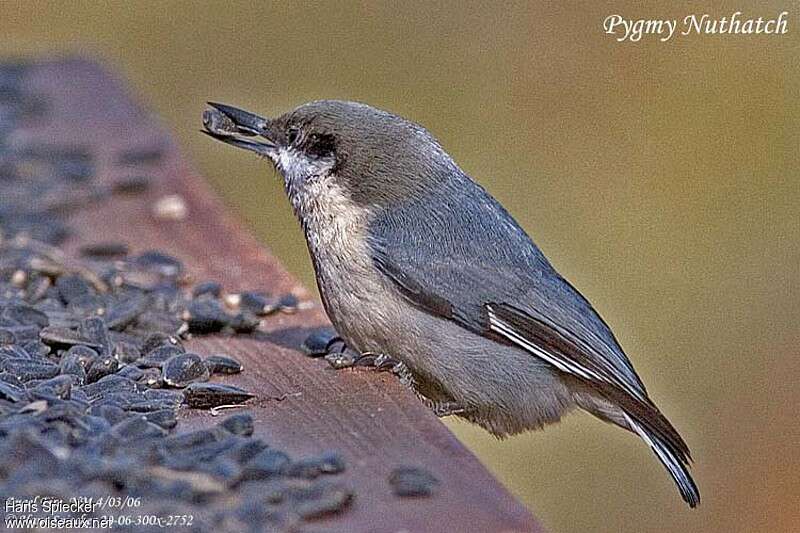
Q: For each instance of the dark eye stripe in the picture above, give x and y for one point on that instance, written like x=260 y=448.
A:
x=320 y=144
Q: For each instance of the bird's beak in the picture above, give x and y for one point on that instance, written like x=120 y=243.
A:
x=239 y=128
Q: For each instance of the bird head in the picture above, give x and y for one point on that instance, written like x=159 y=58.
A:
x=372 y=157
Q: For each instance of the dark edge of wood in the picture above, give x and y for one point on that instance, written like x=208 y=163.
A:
x=369 y=417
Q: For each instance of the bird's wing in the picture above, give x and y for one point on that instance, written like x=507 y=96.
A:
x=562 y=334
x=485 y=274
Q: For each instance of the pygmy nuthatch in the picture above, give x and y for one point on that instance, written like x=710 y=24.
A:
x=417 y=261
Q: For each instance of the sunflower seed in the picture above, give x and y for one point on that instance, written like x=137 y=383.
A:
x=58 y=336
x=27 y=370
x=101 y=368
x=140 y=156
x=222 y=364
x=208 y=395
x=165 y=418
x=136 y=427
x=207 y=288
x=412 y=481
x=328 y=498
x=317 y=343
x=104 y=250
x=238 y=424
x=183 y=369
x=11 y=392
x=258 y=303
x=266 y=464
x=157 y=357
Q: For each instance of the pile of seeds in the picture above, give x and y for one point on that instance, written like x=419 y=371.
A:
x=93 y=369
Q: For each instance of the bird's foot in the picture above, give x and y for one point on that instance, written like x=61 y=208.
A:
x=439 y=408
x=442 y=409
x=342 y=357
x=448 y=409
x=404 y=375
x=339 y=356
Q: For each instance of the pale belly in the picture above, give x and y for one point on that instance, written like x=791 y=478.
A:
x=358 y=302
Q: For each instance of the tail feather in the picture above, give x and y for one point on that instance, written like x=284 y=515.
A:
x=675 y=458
x=643 y=418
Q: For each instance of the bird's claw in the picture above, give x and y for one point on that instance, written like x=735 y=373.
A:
x=340 y=356
x=343 y=358
x=442 y=409
x=336 y=344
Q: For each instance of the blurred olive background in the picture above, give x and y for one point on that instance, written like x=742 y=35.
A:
x=662 y=179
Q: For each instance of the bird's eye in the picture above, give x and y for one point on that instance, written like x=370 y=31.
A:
x=320 y=145
x=292 y=134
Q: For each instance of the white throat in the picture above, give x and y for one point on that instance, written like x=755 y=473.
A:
x=330 y=219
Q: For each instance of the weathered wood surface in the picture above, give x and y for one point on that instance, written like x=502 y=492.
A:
x=368 y=416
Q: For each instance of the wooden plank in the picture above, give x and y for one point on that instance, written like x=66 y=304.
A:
x=368 y=416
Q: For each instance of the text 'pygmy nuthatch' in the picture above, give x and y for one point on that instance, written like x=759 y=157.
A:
x=417 y=261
